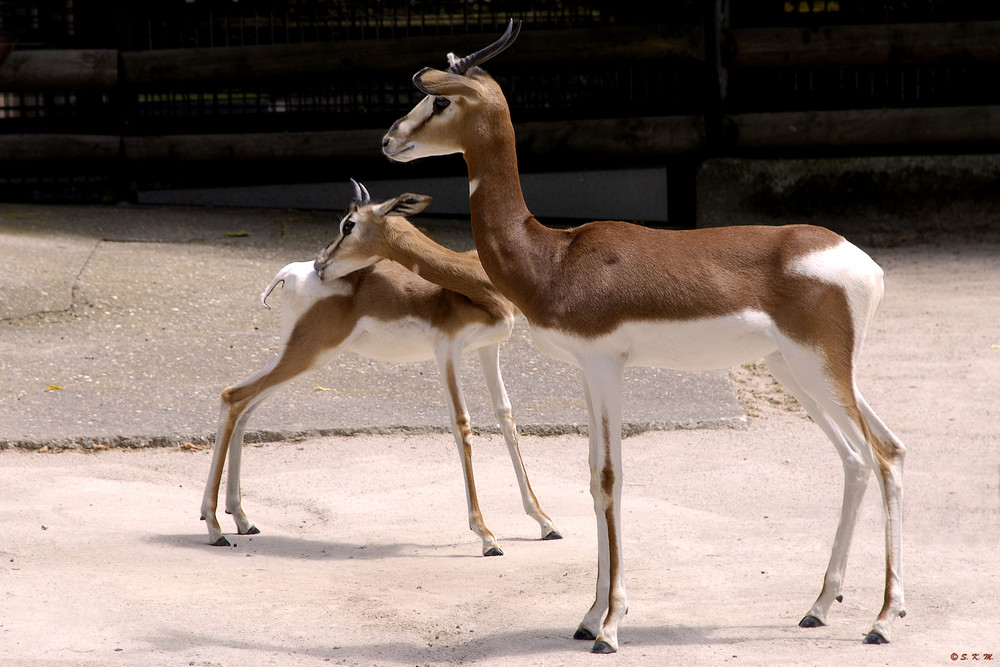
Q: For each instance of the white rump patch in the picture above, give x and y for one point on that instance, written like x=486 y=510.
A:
x=301 y=287
x=854 y=271
x=843 y=265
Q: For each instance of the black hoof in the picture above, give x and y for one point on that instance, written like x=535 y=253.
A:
x=553 y=535
x=221 y=542
x=875 y=638
x=603 y=647
x=585 y=634
x=811 y=621
x=252 y=530
x=495 y=551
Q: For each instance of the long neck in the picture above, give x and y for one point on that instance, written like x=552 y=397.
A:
x=515 y=249
x=458 y=272
x=495 y=196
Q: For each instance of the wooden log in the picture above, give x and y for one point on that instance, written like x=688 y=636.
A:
x=863 y=44
x=630 y=139
x=69 y=70
x=254 y=147
x=867 y=127
x=549 y=144
x=633 y=138
x=56 y=154
x=229 y=65
x=75 y=70
x=6 y=46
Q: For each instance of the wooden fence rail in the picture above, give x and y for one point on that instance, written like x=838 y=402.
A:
x=229 y=66
x=862 y=44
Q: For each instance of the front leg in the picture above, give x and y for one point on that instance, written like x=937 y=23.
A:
x=489 y=360
x=449 y=359
x=602 y=389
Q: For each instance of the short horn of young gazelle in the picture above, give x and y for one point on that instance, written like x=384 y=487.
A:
x=348 y=300
x=606 y=295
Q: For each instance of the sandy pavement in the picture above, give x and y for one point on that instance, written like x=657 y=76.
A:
x=364 y=556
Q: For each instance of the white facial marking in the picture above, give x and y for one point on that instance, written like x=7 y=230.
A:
x=473 y=185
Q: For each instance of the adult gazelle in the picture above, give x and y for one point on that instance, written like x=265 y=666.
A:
x=607 y=295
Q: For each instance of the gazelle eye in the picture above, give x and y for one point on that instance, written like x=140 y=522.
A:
x=441 y=103
x=346 y=228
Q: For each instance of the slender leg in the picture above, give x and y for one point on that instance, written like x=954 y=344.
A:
x=864 y=443
x=238 y=402
x=590 y=626
x=489 y=359
x=856 y=474
x=602 y=381
x=210 y=500
x=234 y=497
x=449 y=358
x=889 y=453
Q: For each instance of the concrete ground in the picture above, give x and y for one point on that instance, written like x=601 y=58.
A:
x=364 y=556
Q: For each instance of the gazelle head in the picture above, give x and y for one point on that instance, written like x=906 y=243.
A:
x=442 y=123
x=361 y=241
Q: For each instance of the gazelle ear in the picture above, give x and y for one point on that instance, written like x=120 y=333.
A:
x=435 y=82
x=405 y=204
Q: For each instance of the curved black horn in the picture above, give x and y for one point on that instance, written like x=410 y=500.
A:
x=485 y=53
x=361 y=196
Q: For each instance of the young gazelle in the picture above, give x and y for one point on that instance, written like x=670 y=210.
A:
x=348 y=300
x=610 y=294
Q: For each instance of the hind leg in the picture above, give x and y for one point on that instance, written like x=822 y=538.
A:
x=449 y=363
x=856 y=474
x=237 y=405
x=238 y=402
x=864 y=443
x=228 y=419
x=234 y=497
x=889 y=453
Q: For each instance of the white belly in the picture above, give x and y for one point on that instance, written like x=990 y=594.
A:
x=412 y=339
x=397 y=341
x=704 y=344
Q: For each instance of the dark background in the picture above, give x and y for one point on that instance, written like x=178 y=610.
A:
x=100 y=100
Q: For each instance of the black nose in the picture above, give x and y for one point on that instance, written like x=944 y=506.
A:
x=385 y=141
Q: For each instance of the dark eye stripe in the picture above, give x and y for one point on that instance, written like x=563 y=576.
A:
x=346 y=228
